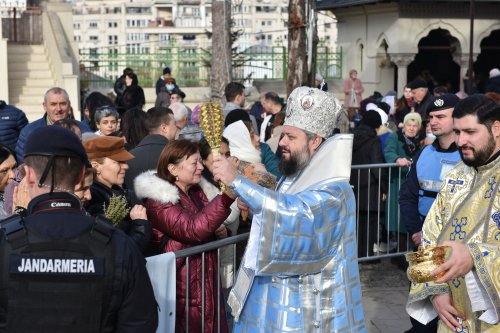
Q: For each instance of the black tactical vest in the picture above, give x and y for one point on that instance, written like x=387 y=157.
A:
x=55 y=285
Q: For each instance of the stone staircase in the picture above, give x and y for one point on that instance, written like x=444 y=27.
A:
x=30 y=77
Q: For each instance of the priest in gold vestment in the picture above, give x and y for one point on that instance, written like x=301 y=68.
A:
x=466 y=217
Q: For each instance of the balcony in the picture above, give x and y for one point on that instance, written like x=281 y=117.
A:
x=158 y=23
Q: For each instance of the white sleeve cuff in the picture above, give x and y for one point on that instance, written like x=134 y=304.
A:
x=479 y=298
x=422 y=311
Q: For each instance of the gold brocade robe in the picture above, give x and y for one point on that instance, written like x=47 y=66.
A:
x=467 y=210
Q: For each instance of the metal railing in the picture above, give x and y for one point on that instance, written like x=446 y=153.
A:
x=190 y=64
x=386 y=176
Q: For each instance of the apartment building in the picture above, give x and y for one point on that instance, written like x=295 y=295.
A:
x=140 y=26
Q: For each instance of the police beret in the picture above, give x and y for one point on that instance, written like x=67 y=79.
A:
x=54 y=141
x=443 y=102
x=107 y=146
x=417 y=83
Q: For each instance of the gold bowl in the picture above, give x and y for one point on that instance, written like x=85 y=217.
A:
x=424 y=261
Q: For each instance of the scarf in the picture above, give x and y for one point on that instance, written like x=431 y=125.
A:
x=240 y=143
x=411 y=145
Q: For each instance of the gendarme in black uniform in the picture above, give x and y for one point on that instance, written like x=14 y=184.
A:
x=63 y=271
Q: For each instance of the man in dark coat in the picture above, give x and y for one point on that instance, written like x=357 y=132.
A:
x=162 y=129
x=366 y=150
x=68 y=270
x=57 y=105
x=494 y=82
x=12 y=121
x=421 y=97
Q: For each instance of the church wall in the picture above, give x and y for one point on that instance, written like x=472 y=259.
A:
x=373 y=24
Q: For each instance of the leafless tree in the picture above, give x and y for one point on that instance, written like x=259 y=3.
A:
x=221 y=49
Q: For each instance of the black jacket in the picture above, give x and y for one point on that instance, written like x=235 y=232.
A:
x=12 y=121
x=138 y=230
x=146 y=156
x=493 y=85
x=421 y=108
x=367 y=150
x=132 y=306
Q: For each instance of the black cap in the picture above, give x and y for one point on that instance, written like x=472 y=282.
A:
x=235 y=115
x=55 y=141
x=417 y=83
x=443 y=102
x=372 y=118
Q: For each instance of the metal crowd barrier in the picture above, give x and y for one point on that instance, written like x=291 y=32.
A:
x=391 y=239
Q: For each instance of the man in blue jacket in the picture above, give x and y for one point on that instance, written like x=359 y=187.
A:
x=56 y=105
x=12 y=121
x=423 y=182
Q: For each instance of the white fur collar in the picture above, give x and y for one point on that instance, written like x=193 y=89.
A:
x=209 y=189
x=149 y=186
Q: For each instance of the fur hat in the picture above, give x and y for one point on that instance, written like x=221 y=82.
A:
x=312 y=110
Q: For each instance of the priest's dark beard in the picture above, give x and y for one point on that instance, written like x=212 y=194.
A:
x=297 y=162
x=481 y=155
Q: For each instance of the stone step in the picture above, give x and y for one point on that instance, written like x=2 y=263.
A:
x=28 y=100
x=26 y=57
x=23 y=66
x=27 y=90
x=32 y=111
x=32 y=74
x=46 y=83
x=25 y=49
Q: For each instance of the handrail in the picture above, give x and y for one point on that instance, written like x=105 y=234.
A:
x=374 y=166
x=196 y=250
x=59 y=51
x=211 y=246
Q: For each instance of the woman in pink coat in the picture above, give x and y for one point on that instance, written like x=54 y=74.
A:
x=353 y=88
x=179 y=210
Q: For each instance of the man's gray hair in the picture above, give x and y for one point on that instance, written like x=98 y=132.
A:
x=57 y=91
x=180 y=111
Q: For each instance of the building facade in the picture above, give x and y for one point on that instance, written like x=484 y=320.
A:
x=392 y=42
x=152 y=27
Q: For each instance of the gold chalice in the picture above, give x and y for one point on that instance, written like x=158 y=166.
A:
x=424 y=261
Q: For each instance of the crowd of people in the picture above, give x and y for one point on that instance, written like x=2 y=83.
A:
x=85 y=202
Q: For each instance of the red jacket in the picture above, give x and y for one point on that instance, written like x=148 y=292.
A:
x=188 y=220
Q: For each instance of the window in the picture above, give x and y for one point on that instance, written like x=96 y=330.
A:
x=93 y=38
x=112 y=24
x=138 y=10
x=112 y=39
x=76 y=26
x=93 y=25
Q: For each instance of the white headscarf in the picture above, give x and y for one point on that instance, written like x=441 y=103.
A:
x=240 y=143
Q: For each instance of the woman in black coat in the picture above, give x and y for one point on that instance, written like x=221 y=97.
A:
x=369 y=196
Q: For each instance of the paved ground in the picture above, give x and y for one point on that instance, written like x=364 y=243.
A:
x=385 y=291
